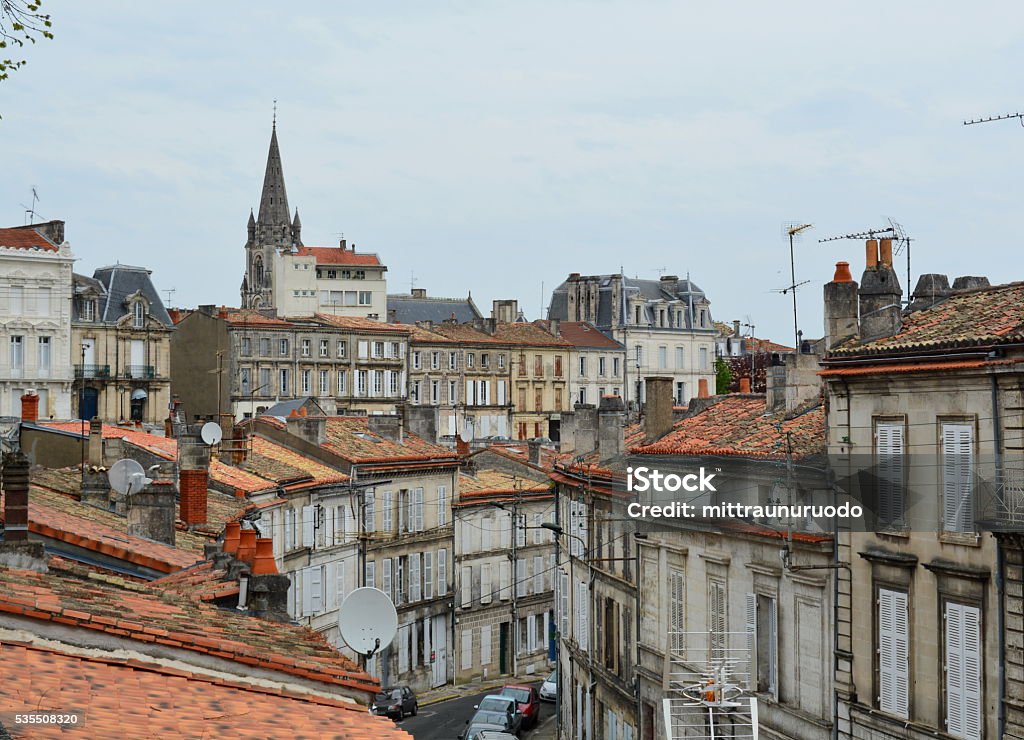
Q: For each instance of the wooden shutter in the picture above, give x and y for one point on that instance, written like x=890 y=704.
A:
x=387 y=503
x=963 y=671
x=563 y=587
x=316 y=584
x=308 y=526
x=485 y=583
x=538 y=574
x=751 y=630
x=340 y=576
x=442 y=506
x=371 y=573
x=889 y=450
x=485 y=645
x=418 y=504
x=385 y=578
x=893 y=653
x=442 y=572
x=414 y=577
x=957 y=477
x=677 y=616
x=330 y=585
x=428 y=575
x=467 y=586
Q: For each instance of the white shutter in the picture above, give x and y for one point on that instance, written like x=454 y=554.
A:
x=331 y=585
x=308 y=525
x=369 y=514
x=470 y=392
x=442 y=506
x=501 y=392
x=428 y=575
x=403 y=651
x=963 y=671
x=340 y=576
x=890 y=449
x=583 y=638
x=371 y=573
x=677 y=614
x=485 y=645
x=751 y=629
x=418 y=503
x=466 y=586
x=442 y=572
x=467 y=649
x=538 y=574
x=547 y=630
x=387 y=511
x=485 y=583
x=385 y=578
x=316 y=584
x=350 y=523
x=414 y=577
x=893 y=657
x=563 y=596
x=289 y=531
x=957 y=477
x=330 y=525
x=773 y=648
x=504 y=580
x=307 y=592
x=520 y=577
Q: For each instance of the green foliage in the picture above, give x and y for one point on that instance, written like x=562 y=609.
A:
x=723 y=376
x=20 y=21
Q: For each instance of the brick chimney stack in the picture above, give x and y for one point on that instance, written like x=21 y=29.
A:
x=745 y=384
x=30 y=406
x=611 y=428
x=193 y=477
x=15 y=480
x=702 y=388
x=881 y=306
x=841 y=306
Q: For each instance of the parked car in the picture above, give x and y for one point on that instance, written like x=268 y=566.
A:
x=549 y=689
x=395 y=703
x=495 y=709
x=527 y=702
x=481 y=731
x=494 y=735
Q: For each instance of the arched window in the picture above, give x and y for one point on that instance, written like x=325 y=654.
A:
x=257 y=268
x=138 y=314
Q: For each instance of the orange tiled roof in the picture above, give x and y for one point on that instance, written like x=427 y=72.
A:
x=359 y=324
x=276 y=462
x=908 y=367
x=527 y=335
x=350 y=437
x=465 y=333
x=489 y=481
x=766 y=345
x=25 y=238
x=737 y=425
x=583 y=335
x=70 y=595
x=520 y=451
x=121 y=697
x=981 y=317
x=199 y=582
x=248 y=317
x=338 y=256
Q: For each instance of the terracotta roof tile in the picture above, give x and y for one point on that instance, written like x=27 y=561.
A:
x=982 y=317
x=465 y=334
x=582 y=335
x=22 y=237
x=199 y=582
x=528 y=335
x=339 y=256
x=738 y=425
x=276 y=462
x=489 y=482
x=908 y=367
x=358 y=324
x=68 y=589
x=124 y=698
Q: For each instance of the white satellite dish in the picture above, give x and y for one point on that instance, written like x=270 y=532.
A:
x=211 y=433
x=127 y=476
x=367 y=620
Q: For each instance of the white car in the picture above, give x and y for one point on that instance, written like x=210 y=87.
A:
x=549 y=688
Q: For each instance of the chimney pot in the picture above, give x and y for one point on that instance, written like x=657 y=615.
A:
x=263 y=562
x=843 y=274
x=744 y=384
x=247 y=546
x=232 y=536
x=30 y=406
x=702 y=388
x=885 y=252
x=871 y=257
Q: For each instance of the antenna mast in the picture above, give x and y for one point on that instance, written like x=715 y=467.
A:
x=1003 y=117
x=793 y=230
x=895 y=231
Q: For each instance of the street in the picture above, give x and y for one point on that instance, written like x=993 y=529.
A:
x=445 y=720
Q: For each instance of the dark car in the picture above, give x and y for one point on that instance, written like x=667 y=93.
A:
x=501 y=720
x=484 y=731
x=527 y=701
x=395 y=703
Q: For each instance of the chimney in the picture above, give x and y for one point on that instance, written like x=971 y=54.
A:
x=312 y=429
x=505 y=311
x=388 y=426
x=419 y=292
x=670 y=284
x=736 y=327
x=94 y=453
x=30 y=406
x=246 y=546
x=15 y=480
x=579 y=429
x=840 y=306
x=263 y=563
x=392 y=316
x=151 y=512
x=610 y=428
x=554 y=327
x=970 y=282
x=232 y=536
x=658 y=408
x=702 y=388
x=267 y=597
x=881 y=307
x=194 y=490
x=745 y=384
x=533 y=452
x=932 y=288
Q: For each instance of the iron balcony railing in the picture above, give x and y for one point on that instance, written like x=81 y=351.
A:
x=92 y=371
x=140 y=372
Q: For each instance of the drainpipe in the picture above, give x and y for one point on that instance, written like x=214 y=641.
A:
x=997 y=442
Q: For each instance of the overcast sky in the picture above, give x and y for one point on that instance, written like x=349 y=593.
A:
x=493 y=147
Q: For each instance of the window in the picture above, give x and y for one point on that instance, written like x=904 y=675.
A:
x=538 y=574
x=369 y=515
x=963 y=661
x=371 y=572
x=414 y=390
x=325 y=382
x=486 y=587
x=582 y=615
x=393 y=384
x=615 y=367
x=677 y=611
x=958 y=477
x=718 y=619
x=681 y=399
x=442 y=572
x=396 y=350
x=417 y=511
x=583 y=365
x=703 y=353
x=485 y=360
x=466 y=586
x=282 y=346
x=264 y=347
x=245 y=380
x=341 y=382
x=522 y=363
x=558 y=399
x=762 y=629
x=385 y=578
x=361 y=380
x=283 y=381
x=639 y=355
x=378 y=382
x=435 y=391
x=324 y=348
x=893 y=647
x=636 y=315
x=306 y=347
x=583 y=395
x=44 y=356
x=889 y=458
x=246 y=346
x=453 y=392
x=470 y=359
x=558 y=366
x=264 y=381
x=417 y=361
x=138 y=314
x=306 y=380
x=538 y=399
x=442 y=506
x=453 y=360
x=435 y=360
x=501 y=360
x=662 y=357
x=341 y=348
x=538 y=365
x=680 y=358
x=88 y=309
x=365 y=298
x=44 y=306
x=428 y=576
x=520 y=577
x=363 y=349
x=415 y=583
x=602 y=366
x=378 y=349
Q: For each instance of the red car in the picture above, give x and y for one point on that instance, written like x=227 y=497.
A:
x=527 y=701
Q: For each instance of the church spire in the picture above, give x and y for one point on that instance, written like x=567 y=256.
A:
x=273 y=213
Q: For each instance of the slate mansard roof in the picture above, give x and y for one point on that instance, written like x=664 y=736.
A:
x=650 y=290
x=408 y=309
x=113 y=285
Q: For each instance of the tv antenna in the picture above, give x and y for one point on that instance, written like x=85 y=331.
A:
x=367 y=621
x=661 y=271
x=169 y=292
x=1003 y=117
x=893 y=231
x=30 y=211
x=793 y=231
x=412 y=281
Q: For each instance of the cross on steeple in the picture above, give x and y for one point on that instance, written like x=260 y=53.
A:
x=274 y=124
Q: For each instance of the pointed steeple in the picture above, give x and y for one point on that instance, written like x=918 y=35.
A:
x=297 y=229
x=273 y=211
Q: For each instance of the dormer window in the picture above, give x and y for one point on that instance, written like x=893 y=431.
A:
x=89 y=309
x=138 y=314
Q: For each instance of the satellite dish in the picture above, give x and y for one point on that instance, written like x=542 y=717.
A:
x=211 y=433
x=127 y=476
x=367 y=620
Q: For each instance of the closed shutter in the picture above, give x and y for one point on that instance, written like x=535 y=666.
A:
x=387 y=511
x=485 y=583
x=963 y=671
x=501 y=392
x=307 y=592
x=308 y=526
x=520 y=577
x=418 y=503
x=583 y=640
x=331 y=586
x=442 y=572
x=505 y=580
x=751 y=629
x=485 y=645
x=339 y=575
x=467 y=649
x=350 y=523
x=369 y=515
x=371 y=574
x=677 y=615
x=289 y=532
x=563 y=617
x=442 y=506
x=316 y=584
x=385 y=578
x=889 y=449
x=403 y=651
x=957 y=477
x=470 y=393
x=718 y=619
x=428 y=575
x=538 y=574
x=893 y=653
x=414 y=577
x=466 y=586
x=773 y=647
